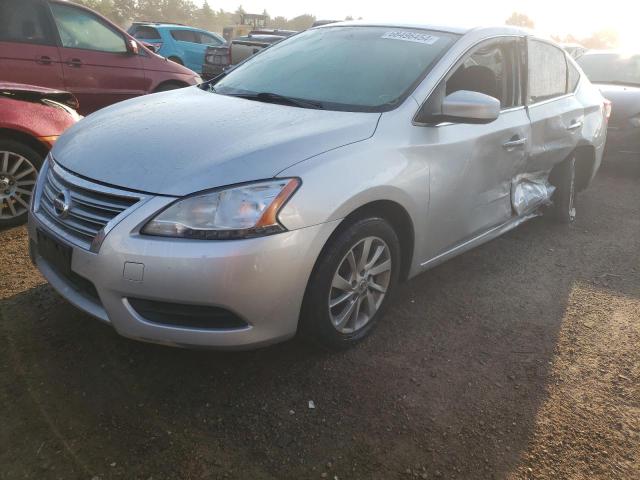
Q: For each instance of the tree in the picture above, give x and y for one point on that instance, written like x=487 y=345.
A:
x=301 y=22
x=602 y=40
x=520 y=20
x=278 y=22
x=206 y=17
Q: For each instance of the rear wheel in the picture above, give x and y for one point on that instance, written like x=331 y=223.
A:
x=19 y=165
x=349 y=289
x=563 y=178
x=165 y=87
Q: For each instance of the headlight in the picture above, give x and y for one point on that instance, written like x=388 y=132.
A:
x=635 y=121
x=244 y=211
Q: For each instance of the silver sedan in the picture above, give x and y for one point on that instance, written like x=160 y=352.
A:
x=293 y=193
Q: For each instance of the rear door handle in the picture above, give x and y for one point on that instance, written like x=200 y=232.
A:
x=43 y=60
x=575 y=125
x=515 y=143
x=74 y=62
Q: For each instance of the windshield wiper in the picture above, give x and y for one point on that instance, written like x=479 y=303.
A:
x=269 y=97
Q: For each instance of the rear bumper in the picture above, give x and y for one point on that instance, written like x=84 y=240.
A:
x=211 y=71
x=260 y=281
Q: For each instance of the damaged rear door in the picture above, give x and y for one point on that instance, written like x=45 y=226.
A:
x=473 y=165
x=557 y=117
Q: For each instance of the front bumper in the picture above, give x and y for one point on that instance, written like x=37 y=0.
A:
x=262 y=280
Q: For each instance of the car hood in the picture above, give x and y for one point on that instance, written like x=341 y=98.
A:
x=34 y=93
x=183 y=141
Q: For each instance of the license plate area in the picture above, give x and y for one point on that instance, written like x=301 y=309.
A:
x=56 y=254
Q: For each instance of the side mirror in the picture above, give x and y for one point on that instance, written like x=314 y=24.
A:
x=465 y=106
x=151 y=46
x=132 y=47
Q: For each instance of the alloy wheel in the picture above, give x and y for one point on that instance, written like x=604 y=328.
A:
x=17 y=182
x=359 y=285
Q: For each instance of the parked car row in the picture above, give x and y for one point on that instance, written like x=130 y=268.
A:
x=64 y=46
x=179 y=43
x=218 y=59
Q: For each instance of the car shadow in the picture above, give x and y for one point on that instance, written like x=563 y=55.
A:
x=449 y=385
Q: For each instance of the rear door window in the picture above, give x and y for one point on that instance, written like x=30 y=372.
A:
x=207 y=39
x=547 y=71
x=79 y=28
x=184 y=36
x=146 y=33
x=25 y=22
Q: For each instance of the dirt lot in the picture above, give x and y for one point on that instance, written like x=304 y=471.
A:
x=520 y=359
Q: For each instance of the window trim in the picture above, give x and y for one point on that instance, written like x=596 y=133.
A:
x=566 y=78
x=456 y=64
x=99 y=19
x=570 y=59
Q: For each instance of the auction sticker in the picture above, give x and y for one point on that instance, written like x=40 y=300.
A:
x=412 y=37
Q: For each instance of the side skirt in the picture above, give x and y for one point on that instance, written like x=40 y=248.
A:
x=484 y=237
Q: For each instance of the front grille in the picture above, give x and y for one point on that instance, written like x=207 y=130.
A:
x=91 y=208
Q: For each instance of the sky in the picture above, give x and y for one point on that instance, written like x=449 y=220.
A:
x=550 y=16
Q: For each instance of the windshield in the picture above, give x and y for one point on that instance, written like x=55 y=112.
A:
x=341 y=68
x=611 y=68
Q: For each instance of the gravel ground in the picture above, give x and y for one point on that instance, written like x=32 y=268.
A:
x=519 y=359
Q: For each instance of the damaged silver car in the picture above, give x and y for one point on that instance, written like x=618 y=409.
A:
x=294 y=193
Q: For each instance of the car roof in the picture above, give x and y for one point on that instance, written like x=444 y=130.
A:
x=173 y=26
x=459 y=30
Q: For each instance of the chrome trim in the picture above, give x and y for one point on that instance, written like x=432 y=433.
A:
x=85 y=236
x=549 y=100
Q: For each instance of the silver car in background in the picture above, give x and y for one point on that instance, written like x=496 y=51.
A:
x=294 y=193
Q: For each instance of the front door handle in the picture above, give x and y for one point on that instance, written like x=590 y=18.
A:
x=74 y=62
x=43 y=60
x=515 y=142
x=575 y=125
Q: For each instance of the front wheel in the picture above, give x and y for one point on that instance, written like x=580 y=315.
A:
x=351 y=284
x=563 y=178
x=19 y=165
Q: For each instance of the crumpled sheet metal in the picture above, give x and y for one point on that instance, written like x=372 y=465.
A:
x=529 y=192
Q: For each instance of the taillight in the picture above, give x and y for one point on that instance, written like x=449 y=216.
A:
x=607 y=108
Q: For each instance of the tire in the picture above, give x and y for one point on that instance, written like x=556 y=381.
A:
x=563 y=209
x=351 y=294
x=165 y=87
x=176 y=60
x=19 y=167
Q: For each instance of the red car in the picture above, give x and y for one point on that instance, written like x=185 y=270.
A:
x=31 y=119
x=61 y=45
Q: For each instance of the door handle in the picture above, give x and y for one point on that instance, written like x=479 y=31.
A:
x=74 y=62
x=515 y=143
x=43 y=60
x=575 y=125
